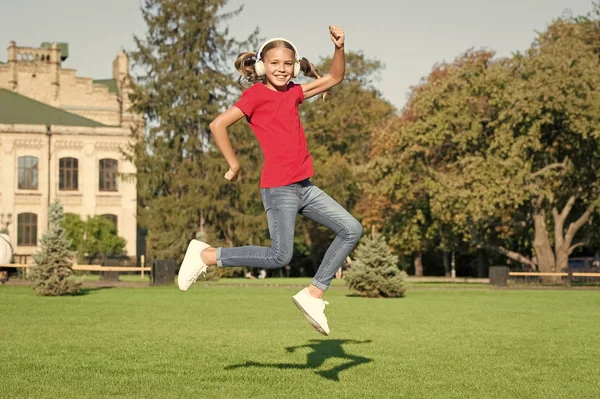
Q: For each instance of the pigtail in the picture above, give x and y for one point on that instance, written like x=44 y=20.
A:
x=244 y=63
x=309 y=70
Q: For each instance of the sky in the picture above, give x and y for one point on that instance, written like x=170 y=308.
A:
x=408 y=37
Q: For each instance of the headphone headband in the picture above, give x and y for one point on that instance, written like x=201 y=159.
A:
x=260 y=50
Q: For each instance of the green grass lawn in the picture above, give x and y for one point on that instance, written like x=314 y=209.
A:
x=277 y=281
x=236 y=342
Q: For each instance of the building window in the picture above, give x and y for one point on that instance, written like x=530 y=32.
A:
x=108 y=174
x=27 y=229
x=28 y=173
x=111 y=218
x=68 y=177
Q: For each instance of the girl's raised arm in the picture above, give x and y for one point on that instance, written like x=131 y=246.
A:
x=338 y=66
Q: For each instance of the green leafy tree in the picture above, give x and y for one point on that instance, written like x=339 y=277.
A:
x=53 y=263
x=396 y=196
x=101 y=238
x=538 y=153
x=75 y=232
x=375 y=271
x=505 y=151
x=97 y=236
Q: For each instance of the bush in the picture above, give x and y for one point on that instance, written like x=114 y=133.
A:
x=95 y=237
x=375 y=271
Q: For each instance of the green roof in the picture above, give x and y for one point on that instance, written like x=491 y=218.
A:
x=111 y=83
x=15 y=108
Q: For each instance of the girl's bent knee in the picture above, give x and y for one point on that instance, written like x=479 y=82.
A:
x=352 y=231
x=282 y=260
x=355 y=230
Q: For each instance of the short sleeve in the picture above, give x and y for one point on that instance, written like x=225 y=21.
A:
x=247 y=103
x=298 y=91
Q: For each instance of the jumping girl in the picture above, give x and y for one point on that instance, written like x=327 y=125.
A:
x=270 y=106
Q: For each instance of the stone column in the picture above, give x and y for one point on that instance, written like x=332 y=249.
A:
x=55 y=74
x=121 y=75
x=12 y=65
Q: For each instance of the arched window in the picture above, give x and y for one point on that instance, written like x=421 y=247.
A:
x=68 y=174
x=27 y=229
x=108 y=170
x=28 y=173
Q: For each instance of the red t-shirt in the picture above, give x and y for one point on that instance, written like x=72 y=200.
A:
x=273 y=117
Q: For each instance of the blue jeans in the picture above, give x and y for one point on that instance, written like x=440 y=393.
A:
x=281 y=205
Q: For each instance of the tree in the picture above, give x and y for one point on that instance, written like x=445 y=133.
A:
x=185 y=58
x=101 y=238
x=395 y=194
x=53 y=262
x=375 y=271
x=75 y=232
x=557 y=104
x=97 y=236
x=500 y=145
x=539 y=153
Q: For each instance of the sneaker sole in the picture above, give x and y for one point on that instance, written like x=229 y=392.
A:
x=312 y=321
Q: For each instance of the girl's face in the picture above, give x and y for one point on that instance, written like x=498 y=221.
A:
x=279 y=67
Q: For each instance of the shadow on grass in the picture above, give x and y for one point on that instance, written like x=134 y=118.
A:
x=321 y=351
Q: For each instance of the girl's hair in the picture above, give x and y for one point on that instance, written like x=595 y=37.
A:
x=244 y=63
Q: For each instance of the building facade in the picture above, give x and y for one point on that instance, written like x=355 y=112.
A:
x=62 y=137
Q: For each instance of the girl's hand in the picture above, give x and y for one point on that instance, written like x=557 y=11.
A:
x=232 y=175
x=337 y=36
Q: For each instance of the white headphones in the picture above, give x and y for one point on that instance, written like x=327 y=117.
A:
x=259 y=66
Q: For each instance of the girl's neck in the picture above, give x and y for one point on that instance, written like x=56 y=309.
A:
x=269 y=86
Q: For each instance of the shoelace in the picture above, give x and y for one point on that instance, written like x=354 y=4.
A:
x=199 y=272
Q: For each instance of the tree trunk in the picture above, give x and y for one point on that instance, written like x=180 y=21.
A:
x=482 y=267
x=517 y=257
x=549 y=260
x=445 y=255
x=313 y=256
x=202 y=221
x=556 y=261
x=541 y=243
x=418 y=264
x=563 y=240
x=307 y=236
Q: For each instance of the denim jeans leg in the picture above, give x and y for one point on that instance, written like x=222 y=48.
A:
x=324 y=210
x=281 y=206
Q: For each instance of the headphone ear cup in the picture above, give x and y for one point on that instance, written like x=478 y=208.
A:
x=296 y=68
x=259 y=68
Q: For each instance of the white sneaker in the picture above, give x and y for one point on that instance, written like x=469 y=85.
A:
x=192 y=266
x=313 y=309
